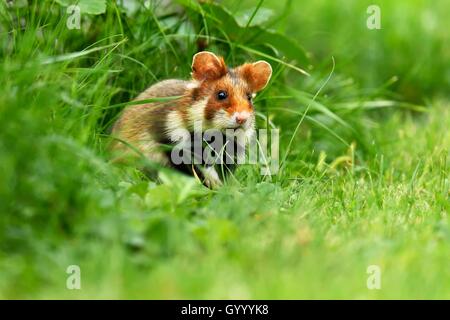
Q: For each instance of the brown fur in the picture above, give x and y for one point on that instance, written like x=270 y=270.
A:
x=208 y=67
x=237 y=101
x=140 y=124
x=255 y=74
x=146 y=126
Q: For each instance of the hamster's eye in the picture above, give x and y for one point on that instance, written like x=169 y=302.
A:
x=222 y=95
x=249 y=96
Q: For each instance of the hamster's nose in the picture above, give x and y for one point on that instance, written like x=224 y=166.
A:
x=241 y=119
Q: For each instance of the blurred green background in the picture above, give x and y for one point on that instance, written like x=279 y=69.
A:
x=364 y=141
x=412 y=44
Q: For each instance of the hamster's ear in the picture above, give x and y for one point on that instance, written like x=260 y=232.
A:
x=207 y=66
x=257 y=74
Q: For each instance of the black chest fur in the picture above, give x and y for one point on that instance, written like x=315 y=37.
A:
x=205 y=149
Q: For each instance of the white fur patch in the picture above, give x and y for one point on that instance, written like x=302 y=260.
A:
x=174 y=124
x=193 y=84
x=247 y=132
x=223 y=121
x=197 y=112
x=212 y=179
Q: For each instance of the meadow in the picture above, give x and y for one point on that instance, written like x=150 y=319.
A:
x=364 y=118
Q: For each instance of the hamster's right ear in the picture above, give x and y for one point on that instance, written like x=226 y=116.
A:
x=207 y=66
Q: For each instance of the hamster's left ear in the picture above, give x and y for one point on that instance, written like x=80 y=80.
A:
x=257 y=74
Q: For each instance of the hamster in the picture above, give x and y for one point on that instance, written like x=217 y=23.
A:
x=218 y=98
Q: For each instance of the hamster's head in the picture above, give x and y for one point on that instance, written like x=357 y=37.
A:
x=224 y=95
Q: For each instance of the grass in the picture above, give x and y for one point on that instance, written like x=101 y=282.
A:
x=365 y=180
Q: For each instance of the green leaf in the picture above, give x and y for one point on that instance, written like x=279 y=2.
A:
x=254 y=36
x=86 y=6
x=262 y=16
